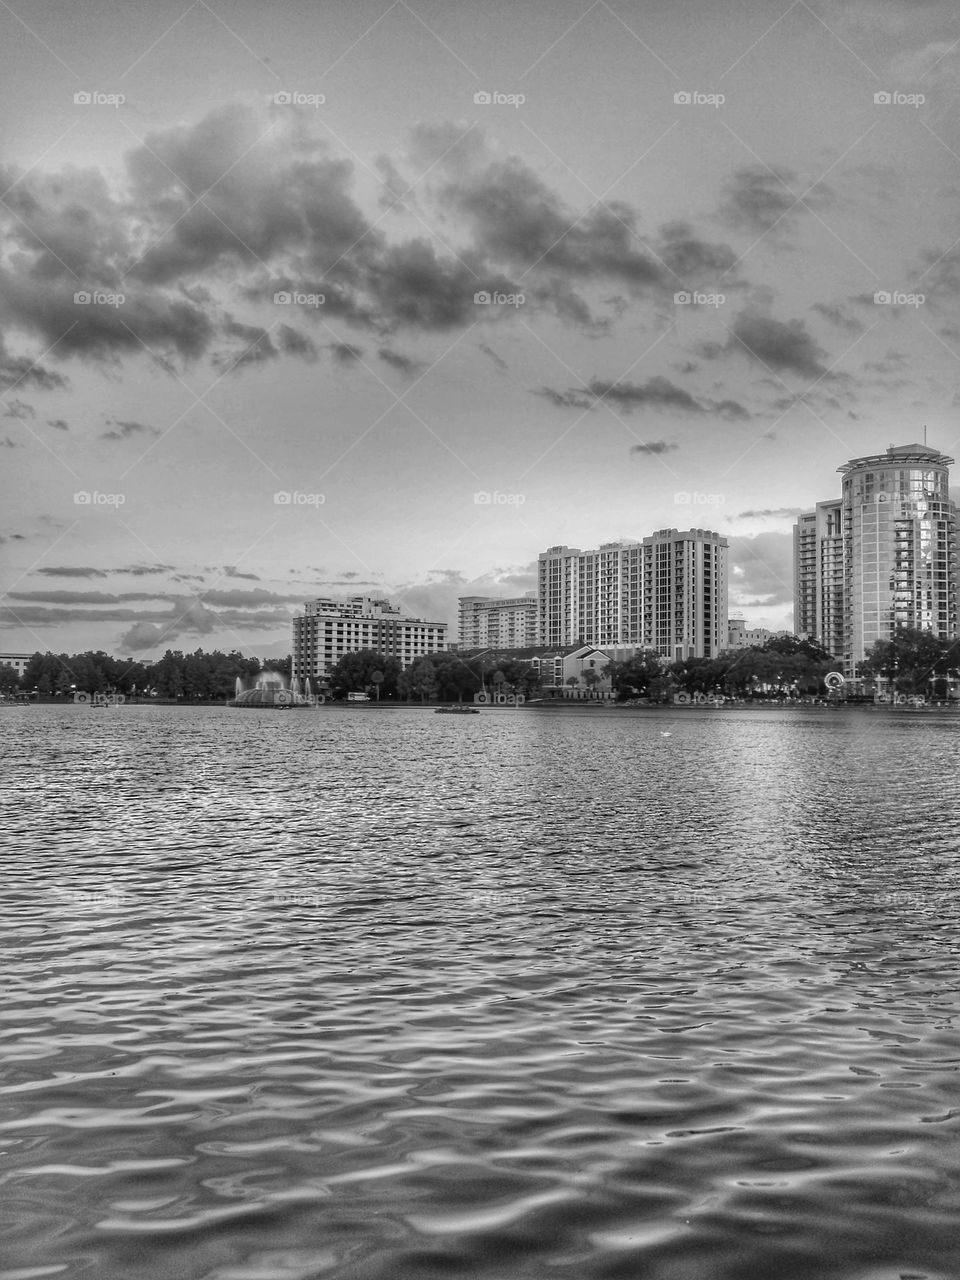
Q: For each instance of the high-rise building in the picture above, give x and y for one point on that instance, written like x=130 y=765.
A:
x=489 y=622
x=882 y=556
x=685 y=610
x=818 y=576
x=668 y=592
x=590 y=596
x=327 y=629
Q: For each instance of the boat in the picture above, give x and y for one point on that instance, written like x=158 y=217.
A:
x=457 y=711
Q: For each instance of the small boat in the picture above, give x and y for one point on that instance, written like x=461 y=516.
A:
x=457 y=711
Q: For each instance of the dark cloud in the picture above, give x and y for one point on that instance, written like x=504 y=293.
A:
x=758 y=199
x=231 y=571
x=294 y=343
x=837 y=316
x=19 y=409
x=656 y=393
x=497 y=360
x=124 y=430
x=405 y=364
x=142 y=570
x=345 y=352
x=565 y=399
x=654 y=447
x=17 y=371
x=7 y=443
x=278 y=210
x=777 y=344
x=59 y=423
x=71 y=571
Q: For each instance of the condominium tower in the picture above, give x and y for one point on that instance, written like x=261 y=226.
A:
x=489 y=622
x=667 y=592
x=896 y=542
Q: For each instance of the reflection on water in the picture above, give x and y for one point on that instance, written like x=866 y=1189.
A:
x=374 y=995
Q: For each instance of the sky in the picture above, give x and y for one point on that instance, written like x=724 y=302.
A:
x=389 y=297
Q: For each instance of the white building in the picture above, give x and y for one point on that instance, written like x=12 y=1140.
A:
x=327 y=629
x=487 y=622
x=16 y=660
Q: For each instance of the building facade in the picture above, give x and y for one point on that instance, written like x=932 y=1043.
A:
x=818 y=574
x=487 y=622
x=685 y=609
x=882 y=556
x=327 y=629
x=740 y=636
x=16 y=660
x=668 y=592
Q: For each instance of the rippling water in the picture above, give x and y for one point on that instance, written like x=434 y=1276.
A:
x=379 y=995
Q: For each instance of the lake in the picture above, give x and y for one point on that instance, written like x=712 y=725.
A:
x=381 y=995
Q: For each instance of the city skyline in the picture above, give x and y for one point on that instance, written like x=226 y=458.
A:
x=247 y=260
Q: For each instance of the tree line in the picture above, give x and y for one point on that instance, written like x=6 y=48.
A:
x=911 y=662
x=193 y=677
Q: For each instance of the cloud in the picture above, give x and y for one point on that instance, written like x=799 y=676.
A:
x=657 y=393
x=231 y=571
x=59 y=423
x=7 y=443
x=19 y=409
x=71 y=571
x=141 y=570
x=776 y=344
x=565 y=399
x=837 y=316
x=405 y=364
x=499 y=361
x=654 y=447
x=127 y=429
x=761 y=569
x=758 y=200
x=345 y=352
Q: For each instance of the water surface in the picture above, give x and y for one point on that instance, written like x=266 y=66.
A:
x=377 y=995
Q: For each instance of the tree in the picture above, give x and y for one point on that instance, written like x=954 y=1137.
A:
x=9 y=680
x=353 y=673
x=573 y=682
x=911 y=659
x=420 y=679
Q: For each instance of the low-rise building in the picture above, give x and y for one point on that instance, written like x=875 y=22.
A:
x=16 y=660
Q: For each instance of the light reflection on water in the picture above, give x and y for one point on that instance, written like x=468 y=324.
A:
x=370 y=994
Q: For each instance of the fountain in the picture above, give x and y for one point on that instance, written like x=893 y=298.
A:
x=270 y=689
